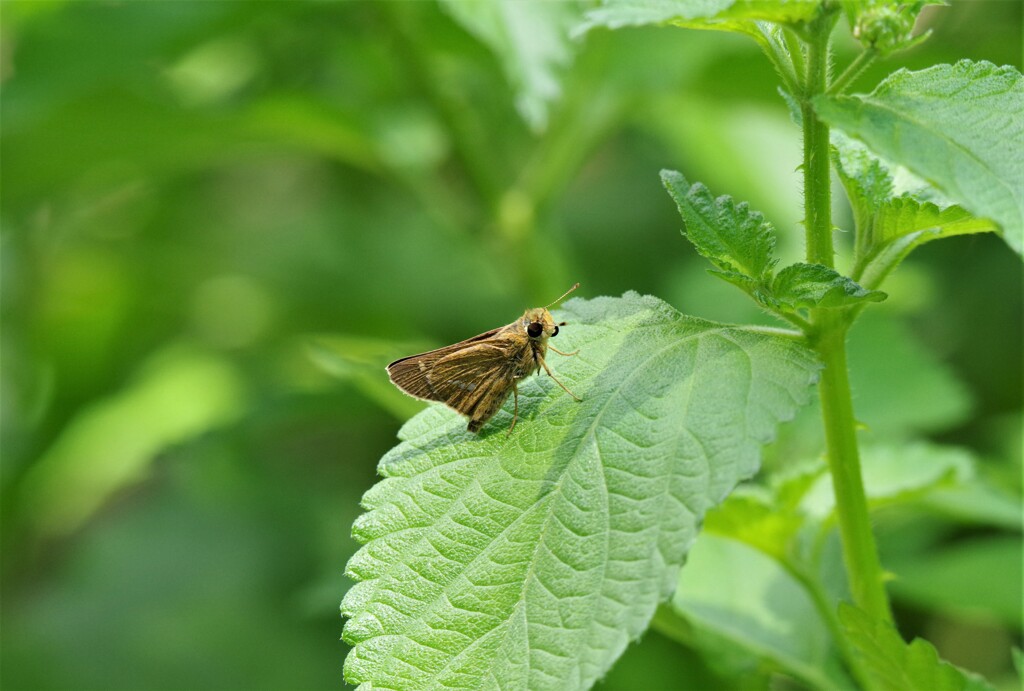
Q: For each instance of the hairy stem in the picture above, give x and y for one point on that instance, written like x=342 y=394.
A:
x=856 y=68
x=817 y=180
x=828 y=333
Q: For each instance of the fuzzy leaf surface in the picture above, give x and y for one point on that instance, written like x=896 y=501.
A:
x=960 y=127
x=531 y=560
x=896 y=664
x=814 y=285
x=734 y=238
x=891 y=220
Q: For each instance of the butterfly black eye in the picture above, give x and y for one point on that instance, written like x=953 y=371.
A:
x=555 y=333
x=534 y=330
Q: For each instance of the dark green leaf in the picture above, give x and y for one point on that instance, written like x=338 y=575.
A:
x=813 y=285
x=979 y=578
x=734 y=238
x=960 y=127
x=535 y=558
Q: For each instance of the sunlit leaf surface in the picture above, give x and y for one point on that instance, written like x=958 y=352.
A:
x=960 y=127
x=531 y=560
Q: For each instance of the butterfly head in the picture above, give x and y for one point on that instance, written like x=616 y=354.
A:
x=539 y=324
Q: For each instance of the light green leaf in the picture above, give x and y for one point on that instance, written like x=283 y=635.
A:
x=893 y=663
x=814 y=285
x=530 y=38
x=891 y=221
x=726 y=15
x=756 y=521
x=734 y=238
x=960 y=127
x=894 y=473
x=178 y=393
x=531 y=560
x=738 y=592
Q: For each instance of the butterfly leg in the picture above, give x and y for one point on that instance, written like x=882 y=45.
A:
x=515 y=408
x=551 y=347
x=548 y=370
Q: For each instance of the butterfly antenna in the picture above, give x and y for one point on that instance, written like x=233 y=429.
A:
x=574 y=287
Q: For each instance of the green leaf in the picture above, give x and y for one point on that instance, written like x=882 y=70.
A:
x=755 y=521
x=895 y=473
x=725 y=15
x=360 y=361
x=971 y=579
x=737 y=592
x=178 y=393
x=893 y=663
x=531 y=560
x=530 y=38
x=735 y=239
x=960 y=127
x=891 y=222
x=814 y=285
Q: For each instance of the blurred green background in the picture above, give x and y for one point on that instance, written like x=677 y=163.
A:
x=221 y=219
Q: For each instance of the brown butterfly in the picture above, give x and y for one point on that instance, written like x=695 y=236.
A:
x=475 y=376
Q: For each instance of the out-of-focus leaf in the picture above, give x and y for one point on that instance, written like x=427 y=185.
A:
x=531 y=40
x=978 y=503
x=724 y=15
x=362 y=361
x=884 y=25
x=738 y=592
x=177 y=394
x=756 y=522
x=900 y=386
x=979 y=578
x=960 y=127
x=535 y=558
x=892 y=473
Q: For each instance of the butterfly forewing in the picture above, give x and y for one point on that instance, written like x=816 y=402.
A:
x=410 y=374
x=476 y=380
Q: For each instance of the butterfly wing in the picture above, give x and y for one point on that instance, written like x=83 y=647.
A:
x=473 y=377
x=410 y=373
x=476 y=380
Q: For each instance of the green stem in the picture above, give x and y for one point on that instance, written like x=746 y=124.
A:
x=864 y=570
x=828 y=333
x=817 y=174
x=854 y=70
